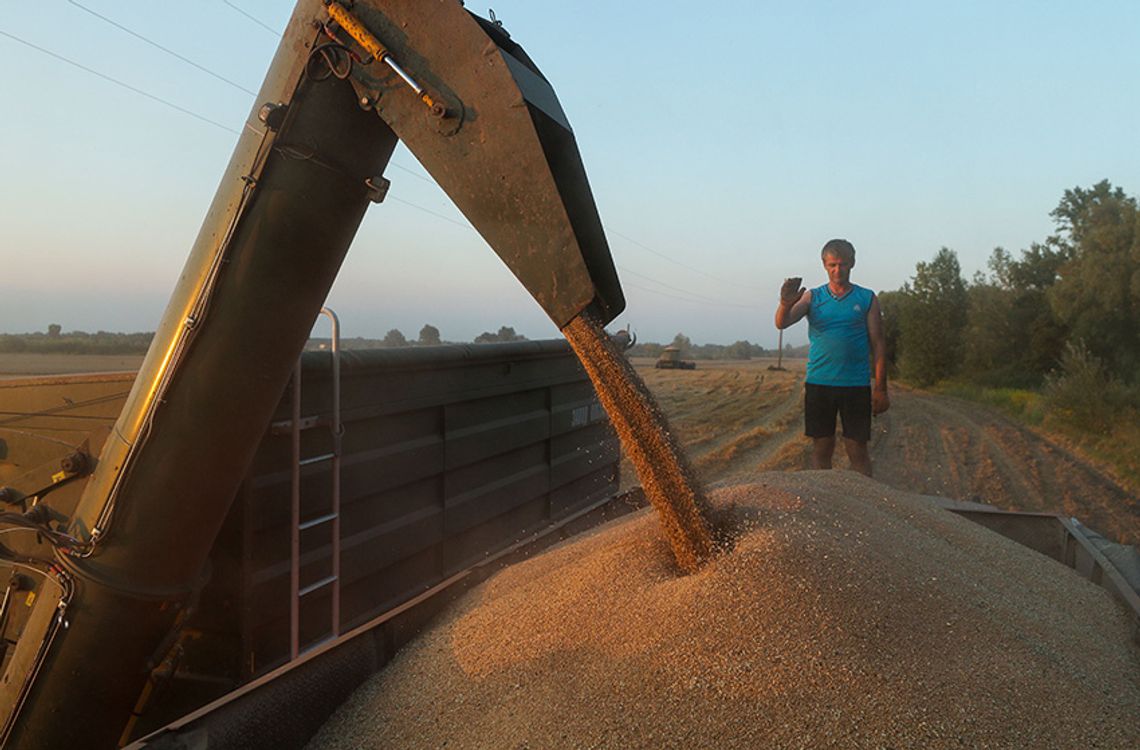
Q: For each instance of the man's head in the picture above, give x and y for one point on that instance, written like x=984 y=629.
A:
x=838 y=260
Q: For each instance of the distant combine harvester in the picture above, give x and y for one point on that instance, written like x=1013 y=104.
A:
x=670 y=359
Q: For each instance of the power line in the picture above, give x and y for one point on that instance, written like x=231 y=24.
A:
x=206 y=70
x=690 y=300
x=412 y=172
x=429 y=211
x=255 y=19
x=691 y=297
x=694 y=269
x=168 y=51
x=181 y=109
x=117 y=82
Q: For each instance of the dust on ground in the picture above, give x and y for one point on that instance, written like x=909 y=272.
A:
x=738 y=418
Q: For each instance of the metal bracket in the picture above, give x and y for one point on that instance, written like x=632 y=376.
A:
x=377 y=188
x=272 y=115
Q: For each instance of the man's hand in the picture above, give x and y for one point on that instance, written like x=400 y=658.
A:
x=880 y=401
x=791 y=291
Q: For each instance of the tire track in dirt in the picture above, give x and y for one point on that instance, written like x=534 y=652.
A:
x=989 y=458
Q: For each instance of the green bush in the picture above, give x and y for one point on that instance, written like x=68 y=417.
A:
x=1083 y=393
x=1022 y=403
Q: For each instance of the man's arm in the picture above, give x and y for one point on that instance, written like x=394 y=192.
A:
x=795 y=301
x=880 y=401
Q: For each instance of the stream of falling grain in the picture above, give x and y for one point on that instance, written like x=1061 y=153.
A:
x=668 y=481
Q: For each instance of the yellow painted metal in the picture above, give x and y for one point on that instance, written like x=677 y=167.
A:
x=357 y=30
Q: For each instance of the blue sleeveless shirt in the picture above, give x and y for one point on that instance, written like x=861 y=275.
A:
x=840 y=351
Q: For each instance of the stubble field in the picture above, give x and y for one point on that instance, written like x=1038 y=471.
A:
x=737 y=419
x=22 y=364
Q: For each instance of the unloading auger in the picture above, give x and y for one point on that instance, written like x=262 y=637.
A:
x=117 y=568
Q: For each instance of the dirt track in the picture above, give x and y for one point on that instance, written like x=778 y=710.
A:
x=738 y=418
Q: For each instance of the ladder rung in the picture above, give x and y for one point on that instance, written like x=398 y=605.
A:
x=316 y=521
x=285 y=426
x=318 y=585
x=318 y=459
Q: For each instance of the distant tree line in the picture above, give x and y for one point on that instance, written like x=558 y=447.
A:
x=736 y=350
x=429 y=336
x=1061 y=317
x=55 y=341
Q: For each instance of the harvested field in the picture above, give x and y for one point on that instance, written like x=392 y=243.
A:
x=847 y=615
x=20 y=364
x=730 y=417
x=735 y=419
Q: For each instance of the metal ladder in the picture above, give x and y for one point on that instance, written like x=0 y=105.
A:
x=332 y=517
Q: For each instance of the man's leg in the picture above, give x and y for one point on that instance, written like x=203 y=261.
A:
x=820 y=408
x=858 y=455
x=822 y=449
x=855 y=410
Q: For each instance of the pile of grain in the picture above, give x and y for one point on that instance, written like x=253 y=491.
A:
x=847 y=615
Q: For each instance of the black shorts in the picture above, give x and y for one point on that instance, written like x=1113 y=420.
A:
x=853 y=403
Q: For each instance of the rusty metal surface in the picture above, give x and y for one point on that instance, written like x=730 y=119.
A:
x=499 y=145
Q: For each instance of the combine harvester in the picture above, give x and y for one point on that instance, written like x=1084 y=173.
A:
x=670 y=359
x=204 y=547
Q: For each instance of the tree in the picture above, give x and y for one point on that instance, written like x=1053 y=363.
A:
x=394 y=338
x=645 y=349
x=429 y=335
x=738 y=350
x=1098 y=293
x=933 y=320
x=54 y=330
x=682 y=342
x=892 y=305
x=1013 y=337
x=506 y=333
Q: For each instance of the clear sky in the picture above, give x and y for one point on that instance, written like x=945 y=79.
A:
x=725 y=142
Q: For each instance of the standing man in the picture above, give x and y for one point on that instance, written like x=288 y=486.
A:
x=845 y=331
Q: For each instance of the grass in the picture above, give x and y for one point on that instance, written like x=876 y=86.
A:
x=1020 y=403
x=1117 y=446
